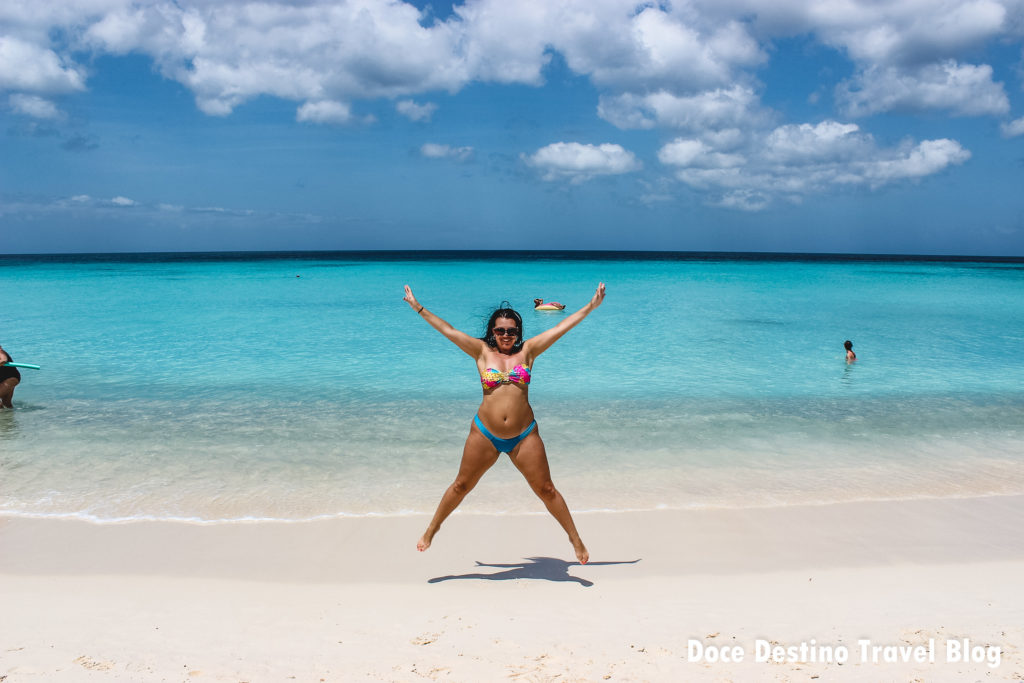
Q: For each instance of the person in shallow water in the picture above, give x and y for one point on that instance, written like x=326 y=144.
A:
x=537 y=303
x=9 y=378
x=504 y=423
x=850 y=355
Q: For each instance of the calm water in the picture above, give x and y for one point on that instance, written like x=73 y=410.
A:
x=224 y=388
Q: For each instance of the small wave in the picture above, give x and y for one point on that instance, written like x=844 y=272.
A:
x=657 y=507
x=198 y=521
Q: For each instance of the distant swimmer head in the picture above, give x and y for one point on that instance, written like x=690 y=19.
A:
x=848 y=345
x=504 y=329
x=538 y=302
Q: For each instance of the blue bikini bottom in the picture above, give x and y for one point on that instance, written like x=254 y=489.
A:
x=503 y=445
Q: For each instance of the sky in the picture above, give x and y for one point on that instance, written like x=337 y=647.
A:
x=849 y=126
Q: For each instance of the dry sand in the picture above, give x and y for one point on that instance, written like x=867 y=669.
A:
x=351 y=599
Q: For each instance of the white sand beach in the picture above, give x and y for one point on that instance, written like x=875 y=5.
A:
x=496 y=598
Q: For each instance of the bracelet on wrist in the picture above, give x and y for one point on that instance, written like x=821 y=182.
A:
x=421 y=309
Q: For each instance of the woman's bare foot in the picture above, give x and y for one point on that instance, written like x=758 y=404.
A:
x=424 y=541
x=582 y=554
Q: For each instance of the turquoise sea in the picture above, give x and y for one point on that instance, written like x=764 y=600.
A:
x=213 y=387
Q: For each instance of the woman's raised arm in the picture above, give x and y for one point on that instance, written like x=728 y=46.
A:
x=534 y=346
x=471 y=345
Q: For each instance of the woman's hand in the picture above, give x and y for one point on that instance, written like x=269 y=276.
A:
x=472 y=346
x=411 y=299
x=535 y=346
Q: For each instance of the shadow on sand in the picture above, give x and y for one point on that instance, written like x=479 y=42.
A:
x=543 y=568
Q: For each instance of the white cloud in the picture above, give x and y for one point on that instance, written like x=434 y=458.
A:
x=660 y=50
x=27 y=66
x=962 y=89
x=80 y=200
x=911 y=32
x=806 y=143
x=433 y=150
x=324 y=111
x=928 y=157
x=35 y=106
x=578 y=162
x=743 y=200
x=620 y=44
x=795 y=161
x=694 y=153
x=221 y=211
x=627 y=111
x=1012 y=129
x=506 y=42
x=735 y=107
x=907 y=52
x=318 y=51
x=892 y=32
x=415 y=112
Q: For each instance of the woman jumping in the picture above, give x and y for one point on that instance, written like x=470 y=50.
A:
x=504 y=423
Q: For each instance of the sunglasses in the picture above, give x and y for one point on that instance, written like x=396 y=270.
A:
x=510 y=331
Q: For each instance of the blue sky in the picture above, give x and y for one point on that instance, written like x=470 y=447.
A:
x=736 y=125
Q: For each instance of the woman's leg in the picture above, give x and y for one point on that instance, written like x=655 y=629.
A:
x=7 y=391
x=477 y=457
x=531 y=459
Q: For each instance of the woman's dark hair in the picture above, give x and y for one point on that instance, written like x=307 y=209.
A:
x=848 y=344
x=505 y=311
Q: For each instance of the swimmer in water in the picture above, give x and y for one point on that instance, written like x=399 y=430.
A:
x=850 y=355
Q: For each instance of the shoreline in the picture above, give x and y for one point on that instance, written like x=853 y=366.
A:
x=695 y=508
x=468 y=510
x=351 y=598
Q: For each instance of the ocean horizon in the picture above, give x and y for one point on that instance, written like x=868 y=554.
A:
x=493 y=255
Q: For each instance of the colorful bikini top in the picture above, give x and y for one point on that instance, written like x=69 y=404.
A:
x=491 y=377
